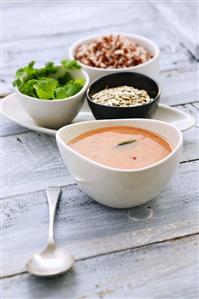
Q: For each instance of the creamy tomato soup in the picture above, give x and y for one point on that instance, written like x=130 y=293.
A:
x=122 y=147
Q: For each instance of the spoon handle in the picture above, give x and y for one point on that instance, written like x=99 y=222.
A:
x=53 y=194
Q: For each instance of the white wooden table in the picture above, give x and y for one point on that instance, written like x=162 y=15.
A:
x=146 y=252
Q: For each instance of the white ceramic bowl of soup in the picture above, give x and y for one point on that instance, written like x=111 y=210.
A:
x=114 y=187
x=55 y=113
x=149 y=68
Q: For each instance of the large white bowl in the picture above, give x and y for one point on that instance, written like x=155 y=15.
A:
x=149 y=68
x=114 y=187
x=55 y=113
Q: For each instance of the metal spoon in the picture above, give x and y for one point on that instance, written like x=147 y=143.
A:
x=53 y=260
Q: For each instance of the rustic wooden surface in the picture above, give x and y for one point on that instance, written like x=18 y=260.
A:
x=147 y=252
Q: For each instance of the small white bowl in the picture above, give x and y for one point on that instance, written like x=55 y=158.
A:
x=149 y=68
x=55 y=113
x=115 y=187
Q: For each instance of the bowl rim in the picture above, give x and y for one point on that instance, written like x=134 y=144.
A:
x=122 y=170
x=127 y=107
x=72 y=48
x=84 y=88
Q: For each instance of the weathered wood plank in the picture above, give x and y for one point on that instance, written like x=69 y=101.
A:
x=30 y=161
x=166 y=270
x=70 y=17
x=179 y=87
x=183 y=18
x=9 y=127
x=88 y=229
x=191 y=137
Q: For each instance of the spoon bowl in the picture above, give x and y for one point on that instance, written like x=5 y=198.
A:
x=53 y=260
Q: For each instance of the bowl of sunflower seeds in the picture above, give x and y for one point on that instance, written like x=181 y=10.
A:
x=123 y=95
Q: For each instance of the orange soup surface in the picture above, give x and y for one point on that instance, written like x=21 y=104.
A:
x=122 y=147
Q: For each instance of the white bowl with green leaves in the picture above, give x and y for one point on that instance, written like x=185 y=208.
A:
x=54 y=94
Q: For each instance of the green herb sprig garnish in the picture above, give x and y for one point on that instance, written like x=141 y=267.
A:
x=49 y=82
x=126 y=142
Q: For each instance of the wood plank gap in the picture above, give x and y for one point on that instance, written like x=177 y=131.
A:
x=192 y=160
x=191 y=56
x=39 y=190
x=129 y=249
x=22 y=132
x=25 y=132
x=138 y=247
x=12 y=275
x=191 y=103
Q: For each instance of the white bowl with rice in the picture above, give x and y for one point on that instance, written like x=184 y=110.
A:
x=128 y=52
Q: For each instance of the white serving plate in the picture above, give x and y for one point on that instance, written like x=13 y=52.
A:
x=11 y=108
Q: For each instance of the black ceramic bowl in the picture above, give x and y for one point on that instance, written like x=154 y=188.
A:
x=136 y=80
